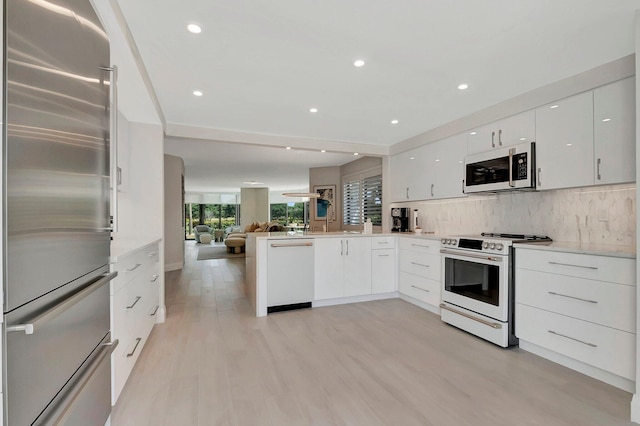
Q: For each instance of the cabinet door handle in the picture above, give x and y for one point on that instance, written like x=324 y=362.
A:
x=138 y=340
x=493 y=142
x=574 y=266
x=154 y=278
x=347 y=247
x=152 y=254
x=432 y=189
x=135 y=302
x=593 y=345
x=154 y=311
x=419 y=288
x=341 y=247
x=598 y=169
x=500 y=137
x=553 y=293
x=135 y=267
x=407 y=192
x=539 y=173
x=420 y=264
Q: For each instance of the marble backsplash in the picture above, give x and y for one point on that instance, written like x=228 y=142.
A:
x=601 y=215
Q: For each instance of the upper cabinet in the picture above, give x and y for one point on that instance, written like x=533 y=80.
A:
x=431 y=171
x=564 y=142
x=614 y=132
x=509 y=131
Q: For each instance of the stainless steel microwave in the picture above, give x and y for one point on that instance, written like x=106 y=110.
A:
x=502 y=169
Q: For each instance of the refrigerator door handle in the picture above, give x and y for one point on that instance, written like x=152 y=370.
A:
x=62 y=405
x=115 y=171
x=32 y=326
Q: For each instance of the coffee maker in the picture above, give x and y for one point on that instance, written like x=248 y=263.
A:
x=400 y=219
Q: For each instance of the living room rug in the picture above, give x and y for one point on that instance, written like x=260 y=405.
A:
x=216 y=252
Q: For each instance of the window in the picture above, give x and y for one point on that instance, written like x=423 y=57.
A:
x=286 y=213
x=362 y=200
x=217 y=216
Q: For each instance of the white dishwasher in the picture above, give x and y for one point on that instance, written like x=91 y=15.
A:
x=290 y=264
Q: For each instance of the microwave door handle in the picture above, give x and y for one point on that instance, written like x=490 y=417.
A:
x=511 y=152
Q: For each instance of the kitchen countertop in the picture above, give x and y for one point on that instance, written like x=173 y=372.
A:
x=124 y=248
x=281 y=235
x=582 y=248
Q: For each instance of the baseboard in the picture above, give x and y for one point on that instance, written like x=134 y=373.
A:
x=421 y=304
x=173 y=266
x=635 y=408
x=354 y=299
x=161 y=314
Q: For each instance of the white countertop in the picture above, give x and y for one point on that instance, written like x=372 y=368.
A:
x=123 y=248
x=582 y=248
x=281 y=235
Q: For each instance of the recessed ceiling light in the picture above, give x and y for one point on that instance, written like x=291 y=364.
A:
x=288 y=147
x=412 y=158
x=323 y=150
x=463 y=86
x=606 y=119
x=358 y=63
x=394 y=121
x=523 y=139
x=437 y=161
x=194 y=28
x=314 y=110
x=355 y=153
x=554 y=106
x=252 y=182
x=473 y=133
x=569 y=144
x=197 y=93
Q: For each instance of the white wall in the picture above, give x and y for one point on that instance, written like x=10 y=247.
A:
x=173 y=213
x=254 y=206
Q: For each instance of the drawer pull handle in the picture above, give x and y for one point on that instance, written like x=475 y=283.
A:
x=572 y=297
x=135 y=267
x=135 y=302
x=382 y=242
x=423 y=289
x=495 y=325
x=154 y=278
x=276 y=245
x=420 y=245
x=575 y=266
x=155 y=311
x=383 y=255
x=593 y=345
x=420 y=264
x=130 y=354
x=152 y=254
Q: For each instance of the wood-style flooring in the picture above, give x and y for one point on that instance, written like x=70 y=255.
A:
x=376 y=363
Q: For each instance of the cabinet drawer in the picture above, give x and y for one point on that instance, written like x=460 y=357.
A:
x=420 y=288
x=123 y=359
x=603 y=347
x=600 y=302
x=383 y=242
x=422 y=245
x=603 y=268
x=422 y=264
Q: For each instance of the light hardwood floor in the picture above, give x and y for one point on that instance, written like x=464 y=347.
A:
x=376 y=363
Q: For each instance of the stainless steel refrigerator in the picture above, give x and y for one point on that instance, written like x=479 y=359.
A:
x=56 y=194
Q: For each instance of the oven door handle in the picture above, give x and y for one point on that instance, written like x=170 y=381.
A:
x=495 y=325
x=471 y=255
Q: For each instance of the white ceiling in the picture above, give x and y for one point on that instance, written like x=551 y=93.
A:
x=263 y=64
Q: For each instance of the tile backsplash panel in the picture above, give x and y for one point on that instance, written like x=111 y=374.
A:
x=602 y=214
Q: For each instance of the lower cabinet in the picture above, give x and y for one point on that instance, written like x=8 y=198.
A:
x=383 y=265
x=135 y=295
x=342 y=267
x=419 y=275
x=579 y=306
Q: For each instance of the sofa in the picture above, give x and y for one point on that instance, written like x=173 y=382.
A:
x=235 y=241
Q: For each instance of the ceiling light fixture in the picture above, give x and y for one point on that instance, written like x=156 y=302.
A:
x=323 y=150
x=358 y=63
x=313 y=110
x=288 y=147
x=412 y=158
x=252 y=182
x=523 y=139
x=606 y=119
x=194 y=28
x=554 y=106
x=463 y=86
x=197 y=93
x=473 y=133
x=394 y=121
x=355 y=153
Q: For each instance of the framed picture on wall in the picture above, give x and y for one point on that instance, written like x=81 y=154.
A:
x=325 y=203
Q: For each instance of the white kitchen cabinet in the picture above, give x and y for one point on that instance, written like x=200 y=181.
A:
x=383 y=265
x=615 y=132
x=135 y=295
x=509 y=131
x=564 y=142
x=581 y=307
x=419 y=275
x=448 y=154
x=342 y=267
x=409 y=172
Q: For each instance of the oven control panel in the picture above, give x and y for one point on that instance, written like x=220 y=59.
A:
x=482 y=245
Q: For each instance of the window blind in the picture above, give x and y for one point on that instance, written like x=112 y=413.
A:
x=351 y=202
x=362 y=200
